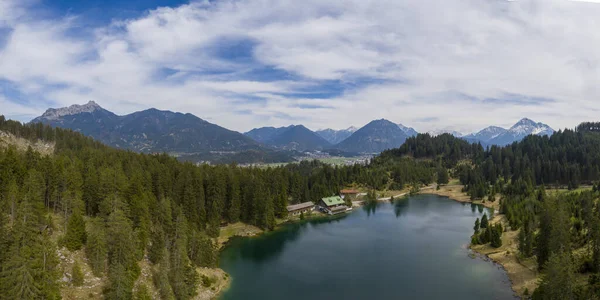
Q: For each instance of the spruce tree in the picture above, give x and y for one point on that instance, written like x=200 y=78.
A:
x=558 y=282
x=442 y=176
x=496 y=233
x=234 y=200
x=30 y=270
x=96 y=248
x=157 y=245
x=182 y=275
x=484 y=221
x=76 y=236
x=142 y=293
x=77 y=275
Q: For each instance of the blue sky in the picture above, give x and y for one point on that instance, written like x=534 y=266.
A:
x=430 y=64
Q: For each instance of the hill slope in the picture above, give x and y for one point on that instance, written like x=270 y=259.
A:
x=299 y=138
x=293 y=137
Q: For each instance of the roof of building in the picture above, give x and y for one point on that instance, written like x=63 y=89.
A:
x=338 y=208
x=349 y=191
x=335 y=200
x=300 y=206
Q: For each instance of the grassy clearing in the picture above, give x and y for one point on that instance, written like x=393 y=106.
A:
x=212 y=283
x=236 y=229
x=454 y=182
x=338 y=160
x=551 y=191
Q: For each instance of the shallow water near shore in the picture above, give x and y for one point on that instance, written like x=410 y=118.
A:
x=414 y=248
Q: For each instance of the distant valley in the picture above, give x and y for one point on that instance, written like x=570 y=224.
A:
x=194 y=139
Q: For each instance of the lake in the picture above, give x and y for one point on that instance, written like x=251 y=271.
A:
x=415 y=248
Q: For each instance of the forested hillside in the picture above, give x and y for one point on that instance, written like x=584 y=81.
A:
x=557 y=229
x=120 y=206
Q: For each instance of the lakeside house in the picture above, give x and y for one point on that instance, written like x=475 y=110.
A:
x=349 y=194
x=296 y=209
x=333 y=205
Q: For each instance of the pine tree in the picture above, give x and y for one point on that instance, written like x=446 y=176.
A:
x=157 y=245
x=161 y=277
x=96 y=248
x=120 y=282
x=123 y=268
x=234 y=205
x=182 y=276
x=484 y=221
x=30 y=271
x=76 y=235
x=558 y=281
x=496 y=233
x=202 y=251
x=442 y=176
x=526 y=240
x=476 y=227
x=142 y=293
x=77 y=275
x=215 y=196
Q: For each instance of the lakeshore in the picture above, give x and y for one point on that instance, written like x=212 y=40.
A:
x=379 y=239
x=523 y=274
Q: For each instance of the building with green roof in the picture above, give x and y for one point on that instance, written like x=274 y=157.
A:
x=333 y=205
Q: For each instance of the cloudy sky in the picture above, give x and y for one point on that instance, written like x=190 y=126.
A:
x=429 y=64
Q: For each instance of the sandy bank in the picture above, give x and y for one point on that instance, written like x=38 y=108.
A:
x=455 y=193
x=522 y=273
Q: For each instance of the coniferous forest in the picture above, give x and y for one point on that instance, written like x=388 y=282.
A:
x=120 y=206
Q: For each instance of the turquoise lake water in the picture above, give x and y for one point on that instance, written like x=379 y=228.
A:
x=415 y=248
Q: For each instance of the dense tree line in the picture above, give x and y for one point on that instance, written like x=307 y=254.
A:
x=120 y=206
x=445 y=146
x=552 y=227
x=568 y=158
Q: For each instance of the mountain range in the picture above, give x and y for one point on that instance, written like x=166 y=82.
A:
x=148 y=131
x=181 y=134
x=499 y=136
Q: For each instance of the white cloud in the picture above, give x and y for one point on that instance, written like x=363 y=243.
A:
x=407 y=61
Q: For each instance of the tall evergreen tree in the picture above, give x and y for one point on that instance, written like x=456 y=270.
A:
x=76 y=236
x=558 y=281
x=96 y=248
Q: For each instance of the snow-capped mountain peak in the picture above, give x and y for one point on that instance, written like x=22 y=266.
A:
x=526 y=127
x=486 y=134
x=55 y=113
x=494 y=135
x=442 y=131
x=408 y=130
x=335 y=136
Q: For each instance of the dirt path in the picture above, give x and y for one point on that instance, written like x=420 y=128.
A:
x=361 y=202
x=455 y=193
